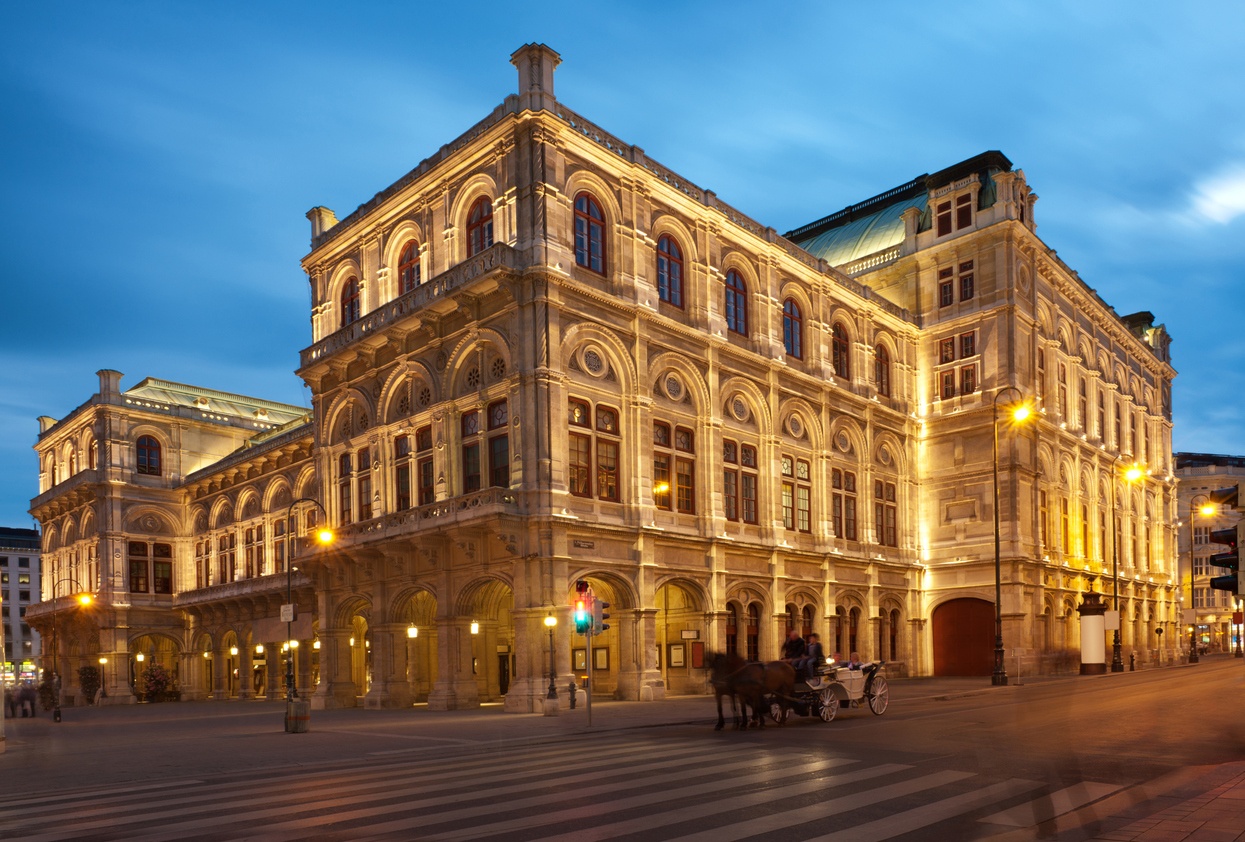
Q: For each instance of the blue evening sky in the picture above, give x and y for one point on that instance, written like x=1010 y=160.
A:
x=157 y=158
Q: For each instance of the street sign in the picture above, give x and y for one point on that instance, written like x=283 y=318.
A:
x=1113 y=620
x=287 y=613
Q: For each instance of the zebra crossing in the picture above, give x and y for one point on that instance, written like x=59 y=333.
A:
x=617 y=786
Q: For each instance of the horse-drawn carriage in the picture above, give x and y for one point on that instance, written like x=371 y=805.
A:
x=773 y=689
x=834 y=688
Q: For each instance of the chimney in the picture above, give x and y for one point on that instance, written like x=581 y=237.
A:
x=322 y=219
x=109 y=383
x=536 y=64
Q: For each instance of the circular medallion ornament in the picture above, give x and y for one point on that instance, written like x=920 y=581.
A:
x=441 y=360
x=593 y=362
x=499 y=368
x=884 y=455
x=473 y=378
x=795 y=426
x=674 y=387
x=739 y=408
x=425 y=396
x=843 y=443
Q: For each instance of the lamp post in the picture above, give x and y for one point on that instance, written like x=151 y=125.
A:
x=550 y=622
x=1206 y=509
x=1132 y=474
x=325 y=536
x=1019 y=412
x=83 y=599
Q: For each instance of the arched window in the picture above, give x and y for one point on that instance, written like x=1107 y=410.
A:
x=480 y=226
x=882 y=370
x=589 y=234
x=669 y=271
x=148 y=451
x=350 y=301
x=736 y=303
x=792 y=328
x=408 y=268
x=838 y=345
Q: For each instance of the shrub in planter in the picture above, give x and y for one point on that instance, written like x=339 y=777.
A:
x=153 y=682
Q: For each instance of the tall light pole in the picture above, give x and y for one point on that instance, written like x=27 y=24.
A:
x=1131 y=474
x=1018 y=413
x=550 y=622
x=325 y=536
x=83 y=599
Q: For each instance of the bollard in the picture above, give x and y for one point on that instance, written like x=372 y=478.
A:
x=571 y=689
x=297 y=716
x=1132 y=662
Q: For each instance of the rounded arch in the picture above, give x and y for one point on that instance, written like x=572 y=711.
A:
x=615 y=589
x=404 y=232
x=480 y=185
x=70 y=531
x=354 y=605
x=342 y=272
x=150 y=520
x=222 y=513
x=842 y=341
x=619 y=357
x=415 y=605
x=889 y=452
x=475 y=346
x=51 y=537
x=405 y=382
x=809 y=417
x=587 y=181
x=669 y=225
x=86 y=523
x=695 y=387
x=343 y=417
x=307 y=483
x=758 y=404
x=277 y=495
x=249 y=505
x=847 y=430
x=198 y=520
x=486 y=596
x=885 y=357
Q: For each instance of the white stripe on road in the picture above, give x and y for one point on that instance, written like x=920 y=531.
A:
x=1053 y=805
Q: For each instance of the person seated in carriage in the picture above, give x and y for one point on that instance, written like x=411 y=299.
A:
x=814 y=656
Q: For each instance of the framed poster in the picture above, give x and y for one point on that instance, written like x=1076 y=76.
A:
x=676 y=655
x=580 y=660
x=698 y=654
x=601 y=659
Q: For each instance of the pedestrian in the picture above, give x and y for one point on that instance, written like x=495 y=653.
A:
x=814 y=657
x=28 y=697
x=10 y=701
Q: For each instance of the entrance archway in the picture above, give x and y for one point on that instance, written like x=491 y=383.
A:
x=963 y=637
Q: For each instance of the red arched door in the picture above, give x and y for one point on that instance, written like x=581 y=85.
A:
x=964 y=637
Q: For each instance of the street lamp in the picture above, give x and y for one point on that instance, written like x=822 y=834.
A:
x=550 y=622
x=1131 y=474
x=324 y=535
x=83 y=599
x=1207 y=509
x=1018 y=413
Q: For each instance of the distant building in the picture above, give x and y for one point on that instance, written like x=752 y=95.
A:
x=541 y=358
x=1199 y=475
x=19 y=589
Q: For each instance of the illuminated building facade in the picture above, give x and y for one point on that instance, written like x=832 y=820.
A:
x=540 y=357
x=19 y=589
x=1199 y=475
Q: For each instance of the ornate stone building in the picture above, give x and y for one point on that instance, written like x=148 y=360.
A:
x=540 y=357
x=1200 y=474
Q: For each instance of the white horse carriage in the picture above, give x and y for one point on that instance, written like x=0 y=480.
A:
x=835 y=687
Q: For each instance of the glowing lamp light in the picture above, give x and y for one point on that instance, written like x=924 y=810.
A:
x=661 y=488
x=1207 y=510
x=103 y=661
x=1022 y=413
x=259 y=648
x=475 y=627
x=207 y=654
x=412 y=632
x=1133 y=473
x=293 y=644
x=352 y=641
x=85 y=599
x=551 y=621
x=315 y=644
x=233 y=650
x=139 y=657
x=324 y=536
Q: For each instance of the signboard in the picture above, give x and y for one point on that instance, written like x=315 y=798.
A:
x=1190 y=616
x=1113 y=620
x=287 y=613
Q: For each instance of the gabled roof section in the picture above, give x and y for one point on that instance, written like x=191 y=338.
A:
x=876 y=224
x=209 y=401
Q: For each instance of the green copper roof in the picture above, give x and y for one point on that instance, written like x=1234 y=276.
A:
x=864 y=236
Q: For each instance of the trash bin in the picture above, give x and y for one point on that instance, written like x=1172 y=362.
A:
x=297 y=716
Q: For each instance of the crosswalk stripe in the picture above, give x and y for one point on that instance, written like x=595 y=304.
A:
x=836 y=808
x=1053 y=805
x=924 y=816
x=207 y=801
x=700 y=810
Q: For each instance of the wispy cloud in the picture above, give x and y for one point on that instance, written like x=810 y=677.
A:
x=1221 y=197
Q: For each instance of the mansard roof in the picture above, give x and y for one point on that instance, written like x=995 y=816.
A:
x=212 y=404
x=876 y=224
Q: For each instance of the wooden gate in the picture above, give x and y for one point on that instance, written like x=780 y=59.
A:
x=964 y=637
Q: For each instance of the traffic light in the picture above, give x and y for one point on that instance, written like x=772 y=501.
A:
x=599 y=616
x=583 y=617
x=1230 y=559
x=1226 y=497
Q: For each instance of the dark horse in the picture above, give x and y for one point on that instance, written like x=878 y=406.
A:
x=748 y=683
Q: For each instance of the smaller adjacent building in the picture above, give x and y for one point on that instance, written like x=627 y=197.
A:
x=1200 y=474
x=19 y=588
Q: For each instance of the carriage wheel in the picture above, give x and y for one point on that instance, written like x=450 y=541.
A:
x=829 y=705
x=778 y=713
x=879 y=695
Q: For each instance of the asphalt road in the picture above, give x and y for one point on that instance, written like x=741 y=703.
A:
x=947 y=755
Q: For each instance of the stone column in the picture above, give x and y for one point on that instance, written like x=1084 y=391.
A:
x=337 y=688
x=455 y=688
x=246 y=686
